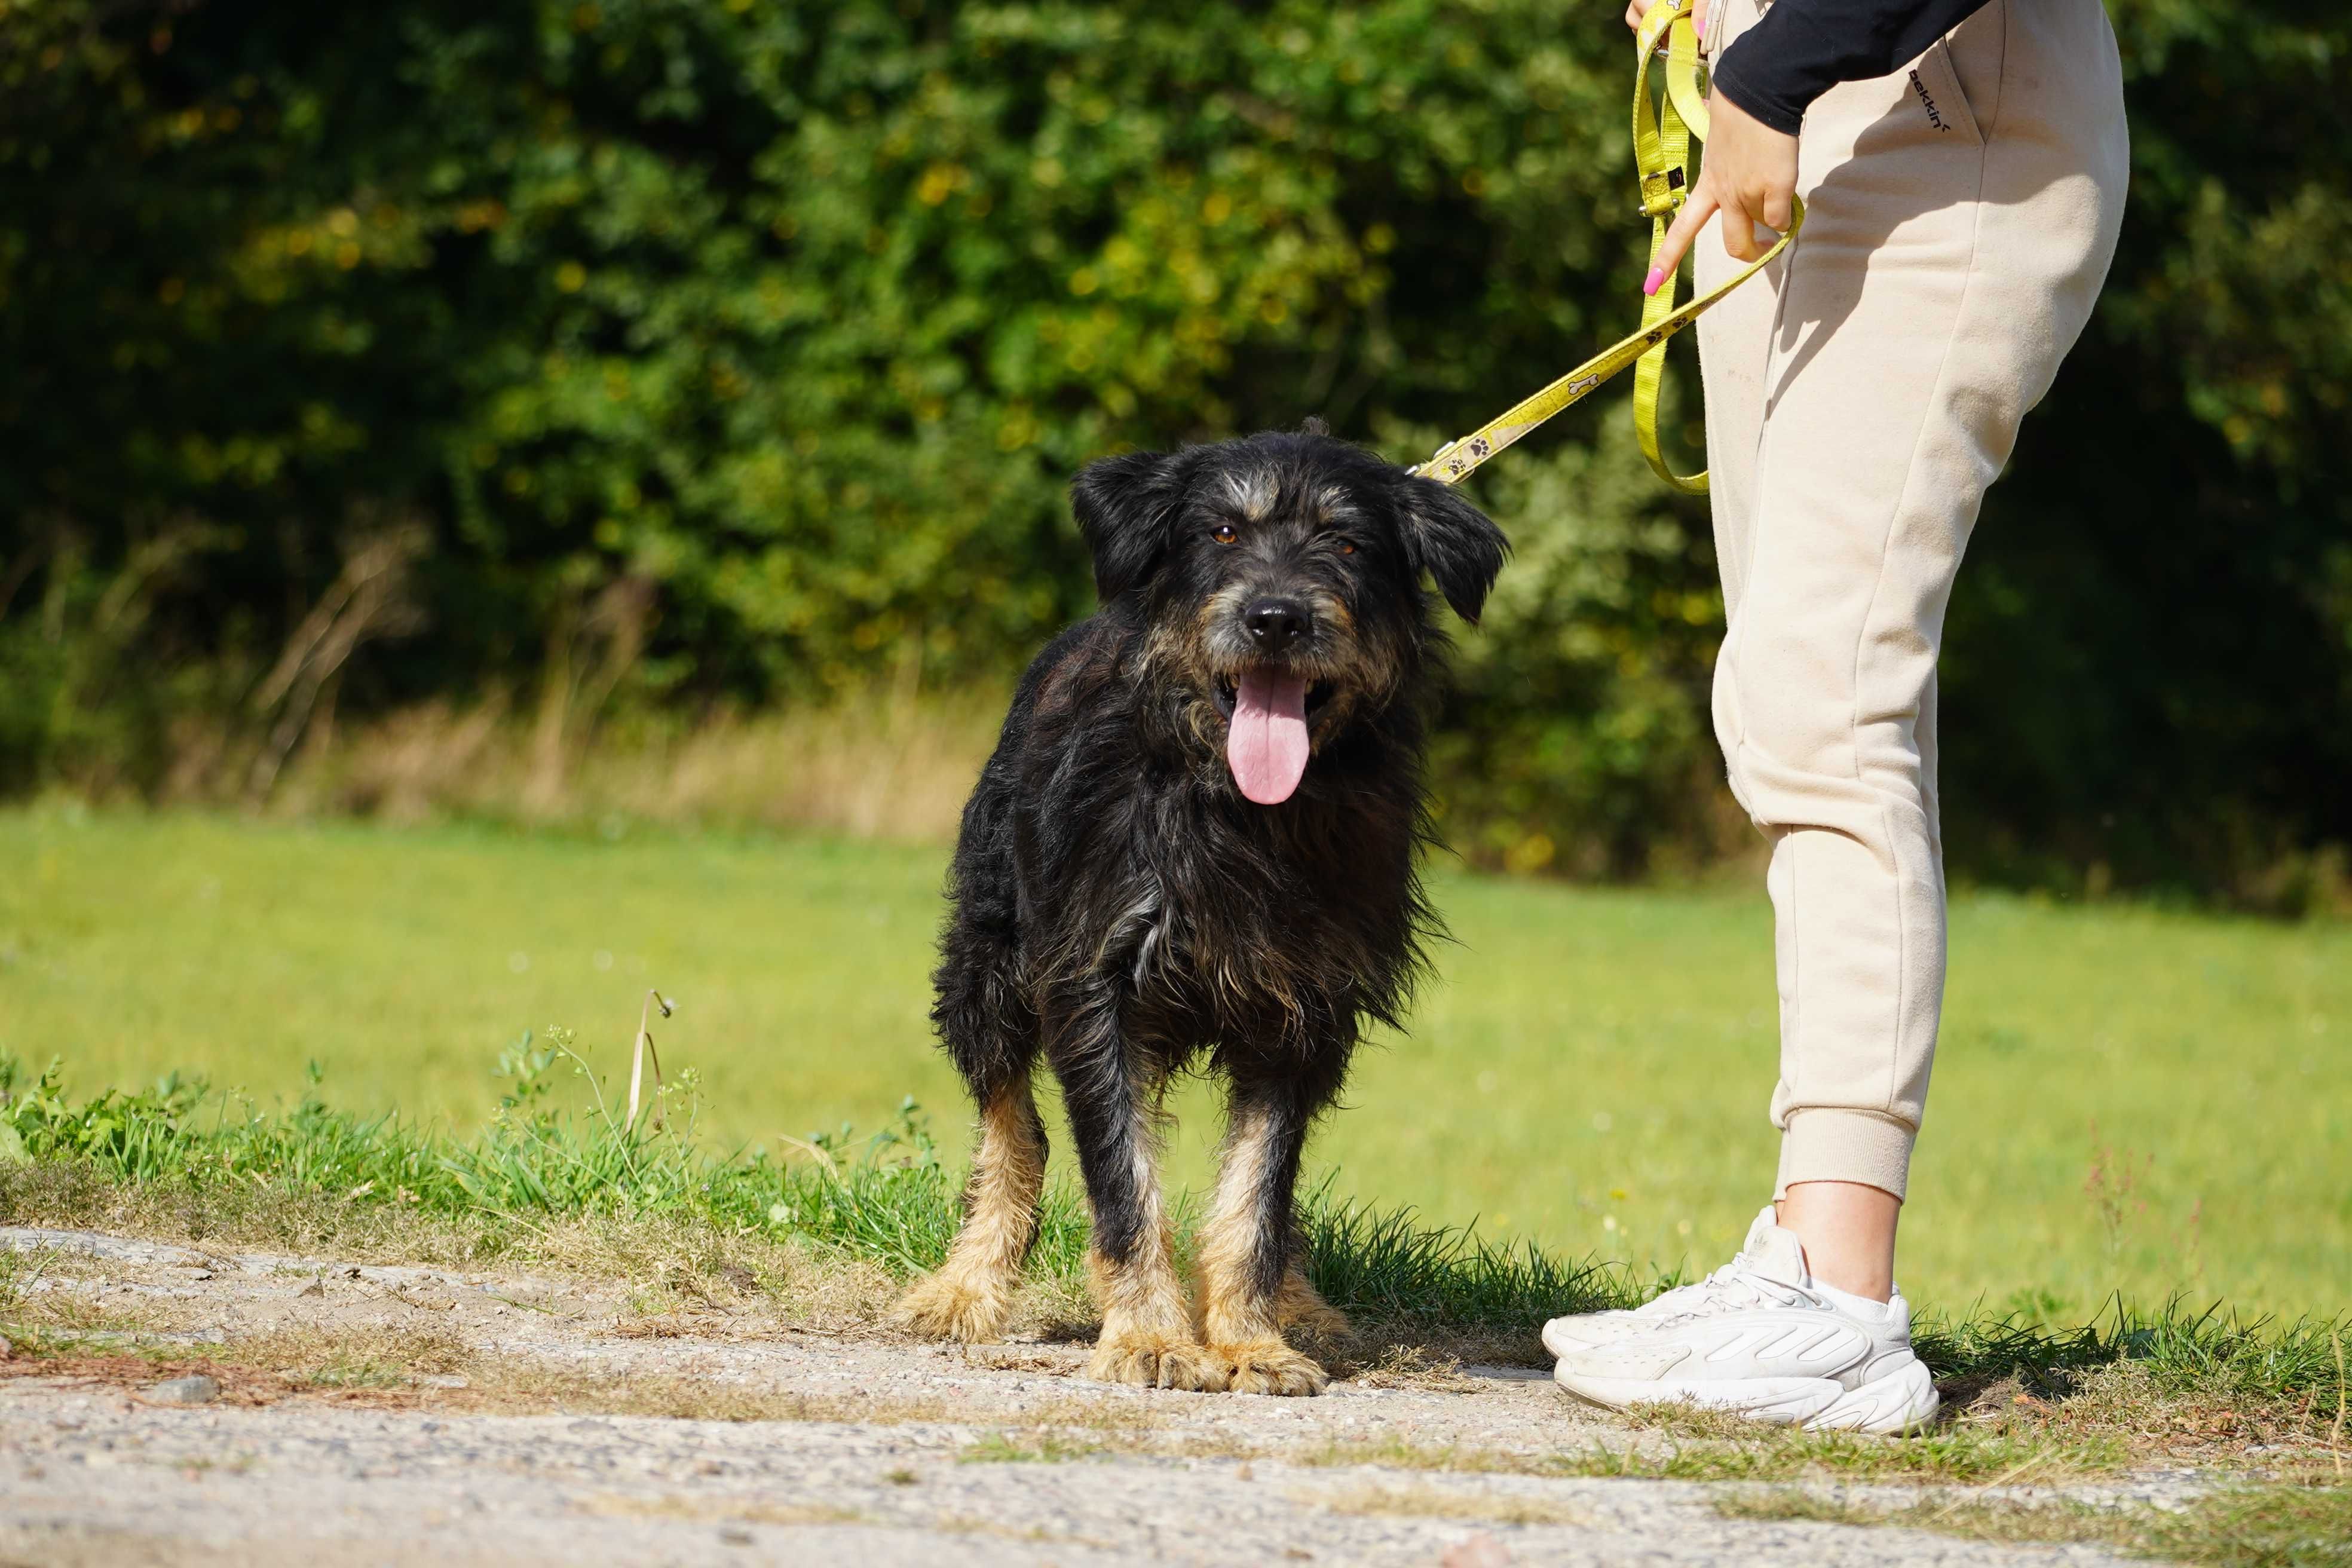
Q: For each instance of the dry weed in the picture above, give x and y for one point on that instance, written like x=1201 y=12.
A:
x=408 y=1368
x=675 y=1267
x=1430 y=1502
x=1412 y=1366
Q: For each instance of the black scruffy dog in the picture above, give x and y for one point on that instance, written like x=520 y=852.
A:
x=1198 y=834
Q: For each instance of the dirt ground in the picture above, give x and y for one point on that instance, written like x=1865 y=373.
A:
x=370 y=1415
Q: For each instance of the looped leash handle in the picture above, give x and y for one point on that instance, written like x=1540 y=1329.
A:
x=1666 y=153
x=1664 y=148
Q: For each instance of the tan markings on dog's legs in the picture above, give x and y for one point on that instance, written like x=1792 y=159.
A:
x=1302 y=1307
x=1229 y=1239
x=971 y=1295
x=1241 y=1323
x=1147 y=1330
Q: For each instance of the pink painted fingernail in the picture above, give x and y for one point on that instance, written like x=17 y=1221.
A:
x=1654 y=281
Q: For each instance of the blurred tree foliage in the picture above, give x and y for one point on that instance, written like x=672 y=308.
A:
x=685 y=351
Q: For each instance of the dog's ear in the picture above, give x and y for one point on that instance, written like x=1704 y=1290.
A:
x=1455 y=542
x=1124 y=505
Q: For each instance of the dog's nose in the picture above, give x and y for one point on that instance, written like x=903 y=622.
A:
x=1275 y=624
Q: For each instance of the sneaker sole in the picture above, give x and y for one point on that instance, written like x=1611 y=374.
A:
x=1894 y=1401
x=1902 y=1400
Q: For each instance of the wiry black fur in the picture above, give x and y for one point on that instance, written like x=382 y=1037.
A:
x=1117 y=903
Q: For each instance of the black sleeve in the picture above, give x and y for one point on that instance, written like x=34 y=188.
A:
x=1801 y=48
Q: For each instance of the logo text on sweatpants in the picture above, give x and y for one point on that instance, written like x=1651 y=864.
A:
x=1927 y=102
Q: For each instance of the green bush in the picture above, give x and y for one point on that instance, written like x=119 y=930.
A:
x=638 y=349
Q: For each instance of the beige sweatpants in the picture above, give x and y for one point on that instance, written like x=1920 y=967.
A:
x=1960 y=218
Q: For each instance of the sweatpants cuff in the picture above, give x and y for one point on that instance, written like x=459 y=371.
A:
x=1829 y=1144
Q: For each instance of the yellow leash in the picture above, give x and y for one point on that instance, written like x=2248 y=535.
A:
x=1664 y=142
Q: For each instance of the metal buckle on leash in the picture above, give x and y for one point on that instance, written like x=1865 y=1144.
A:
x=1661 y=193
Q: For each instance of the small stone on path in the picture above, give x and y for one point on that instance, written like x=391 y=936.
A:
x=196 y=1389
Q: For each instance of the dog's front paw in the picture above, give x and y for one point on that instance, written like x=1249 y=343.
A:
x=947 y=1306
x=1268 y=1366
x=1156 y=1360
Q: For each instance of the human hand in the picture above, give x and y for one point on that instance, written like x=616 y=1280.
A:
x=1749 y=176
x=1638 y=9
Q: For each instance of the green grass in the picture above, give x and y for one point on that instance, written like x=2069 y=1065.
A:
x=2127 y=1100
x=661 y=1210
x=211 y=1164
x=1031 y=1448
x=1958 y=1456
x=2237 y=1527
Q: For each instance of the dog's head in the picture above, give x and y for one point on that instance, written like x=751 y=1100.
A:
x=1279 y=576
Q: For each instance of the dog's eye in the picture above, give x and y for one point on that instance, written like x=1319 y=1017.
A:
x=1346 y=546
x=1224 y=533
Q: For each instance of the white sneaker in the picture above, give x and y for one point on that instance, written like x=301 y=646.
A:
x=1583 y=1329
x=1757 y=1337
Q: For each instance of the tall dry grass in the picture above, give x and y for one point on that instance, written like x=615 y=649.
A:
x=879 y=766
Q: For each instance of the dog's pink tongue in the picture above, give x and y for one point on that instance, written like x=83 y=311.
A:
x=1267 y=747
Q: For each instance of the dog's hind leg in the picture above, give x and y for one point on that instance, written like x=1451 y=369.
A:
x=1251 y=1280
x=1147 y=1330
x=1298 y=1305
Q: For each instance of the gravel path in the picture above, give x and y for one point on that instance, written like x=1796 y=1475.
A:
x=894 y=1453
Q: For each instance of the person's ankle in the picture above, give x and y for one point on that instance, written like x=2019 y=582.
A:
x=1847 y=1230
x=1861 y=1277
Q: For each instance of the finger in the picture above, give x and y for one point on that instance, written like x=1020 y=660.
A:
x=1739 y=225
x=1679 y=235
x=1775 y=208
x=1739 y=233
x=1634 y=13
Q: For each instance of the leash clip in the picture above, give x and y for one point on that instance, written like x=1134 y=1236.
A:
x=1662 y=192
